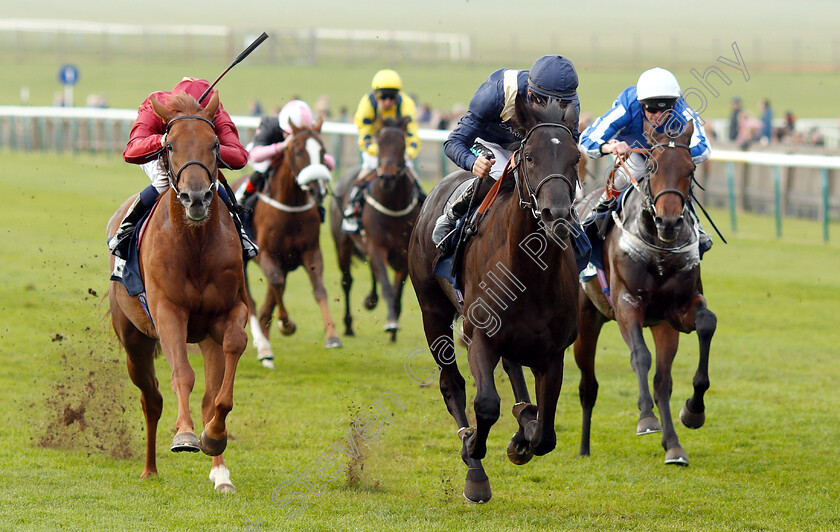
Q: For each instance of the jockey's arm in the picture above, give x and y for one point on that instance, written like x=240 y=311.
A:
x=365 y=120
x=231 y=150
x=412 y=140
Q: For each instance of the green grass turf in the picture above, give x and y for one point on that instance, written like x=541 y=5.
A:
x=765 y=460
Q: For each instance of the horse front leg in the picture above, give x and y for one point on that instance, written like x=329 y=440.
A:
x=372 y=298
x=214 y=363
x=540 y=432
x=345 y=257
x=230 y=333
x=314 y=264
x=378 y=263
x=171 y=323
x=483 y=361
x=276 y=277
x=400 y=277
x=693 y=414
x=518 y=450
x=630 y=317
x=260 y=330
x=667 y=341
x=437 y=314
x=590 y=322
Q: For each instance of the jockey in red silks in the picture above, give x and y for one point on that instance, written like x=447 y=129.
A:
x=146 y=140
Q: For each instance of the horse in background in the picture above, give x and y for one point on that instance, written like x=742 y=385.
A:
x=191 y=264
x=652 y=265
x=392 y=204
x=287 y=226
x=520 y=290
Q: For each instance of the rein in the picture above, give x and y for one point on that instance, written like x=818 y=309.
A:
x=164 y=156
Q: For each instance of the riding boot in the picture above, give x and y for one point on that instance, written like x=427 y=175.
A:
x=602 y=216
x=249 y=248
x=453 y=211
x=246 y=193
x=353 y=210
x=118 y=244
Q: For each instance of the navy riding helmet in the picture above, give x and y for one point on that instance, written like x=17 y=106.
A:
x=553 y=76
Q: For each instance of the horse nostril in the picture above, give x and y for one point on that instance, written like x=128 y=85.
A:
x=547 y=215
x=678 y=222
x=184 y=197
x=658 y=220
x=208 y=196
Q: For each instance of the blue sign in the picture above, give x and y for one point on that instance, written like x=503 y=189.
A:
x=68 y=74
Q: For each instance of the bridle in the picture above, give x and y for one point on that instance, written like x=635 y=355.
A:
x=175 y=177
x=527 y=197
x=649 y=201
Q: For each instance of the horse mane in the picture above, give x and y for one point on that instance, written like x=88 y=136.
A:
x=538 y=114
x=183 y=103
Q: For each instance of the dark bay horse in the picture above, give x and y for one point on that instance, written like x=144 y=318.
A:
x=520 y=291
x=392 y=203
x=652 y=264
x=191 y=263
x=287 y=225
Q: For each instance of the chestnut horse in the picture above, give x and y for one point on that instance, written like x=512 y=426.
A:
x=191 y=264
x=520 y=291
x=652 y=264
x=287 y=225
x=392 y=203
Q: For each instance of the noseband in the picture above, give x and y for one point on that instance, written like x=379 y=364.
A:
x=174 y=178
x=527 y=197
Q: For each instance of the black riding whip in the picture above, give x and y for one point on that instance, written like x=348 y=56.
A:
x=245 y=53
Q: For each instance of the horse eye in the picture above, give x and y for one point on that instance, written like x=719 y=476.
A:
x=529 y=158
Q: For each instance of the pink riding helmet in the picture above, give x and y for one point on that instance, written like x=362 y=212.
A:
x=296 y=112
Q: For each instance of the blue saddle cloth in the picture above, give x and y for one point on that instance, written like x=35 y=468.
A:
x=128 y=273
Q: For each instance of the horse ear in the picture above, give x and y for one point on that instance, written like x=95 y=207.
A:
x=571 y=115
x=521 y=115
x=161 y=110
x=688 y=130
x=212 y=107
x=404 y=123
x=294 y=128
x=318 y=123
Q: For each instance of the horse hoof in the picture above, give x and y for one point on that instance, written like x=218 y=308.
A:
x=288 y=328
x=648 y=425
x=477 y=492
x=517 y=456
x=225 y=488
x=267 y=363
x=349 y=332
x=690 y=419
x=185 y=442
x=211 y=446
x=676 y=456
x=333 y=342
x=371 y=301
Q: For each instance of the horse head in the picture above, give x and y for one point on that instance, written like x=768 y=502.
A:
x=670 y=169
x=305 y=157
x=547 y=163
x=190 y=152
x=391 y=141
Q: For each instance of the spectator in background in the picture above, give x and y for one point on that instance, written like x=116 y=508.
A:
x=749 y=129
x=322 y=107
x=734 y=119
x=256 y=108
x=766 y=134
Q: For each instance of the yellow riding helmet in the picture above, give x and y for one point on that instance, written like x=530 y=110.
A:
x=386 y=79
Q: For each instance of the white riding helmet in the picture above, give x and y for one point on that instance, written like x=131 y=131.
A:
x=657 y=83
x=296 y=112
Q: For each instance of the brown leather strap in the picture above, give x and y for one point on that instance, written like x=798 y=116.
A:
x=494 y=191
